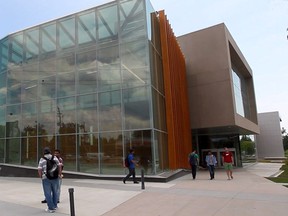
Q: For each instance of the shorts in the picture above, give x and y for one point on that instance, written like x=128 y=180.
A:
x=228 y=166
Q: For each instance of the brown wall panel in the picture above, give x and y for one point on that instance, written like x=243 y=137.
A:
x=176 y=97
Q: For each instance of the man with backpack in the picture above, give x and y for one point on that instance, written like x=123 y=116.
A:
x=49 y=170
x=57 y=154
x=130 y=163
x=193 y=159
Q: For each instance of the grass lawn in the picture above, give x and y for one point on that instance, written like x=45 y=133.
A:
x=283 y=177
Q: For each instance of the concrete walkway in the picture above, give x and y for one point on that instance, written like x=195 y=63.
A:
x=249 y=193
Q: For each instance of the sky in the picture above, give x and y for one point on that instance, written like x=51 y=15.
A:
x=259 y=27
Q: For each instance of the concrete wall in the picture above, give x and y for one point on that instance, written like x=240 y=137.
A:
x=269 y=142
x=209 y=55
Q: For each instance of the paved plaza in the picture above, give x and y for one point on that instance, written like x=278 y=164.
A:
x=249 y=193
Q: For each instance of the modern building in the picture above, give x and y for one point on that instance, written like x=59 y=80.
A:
x=95 y=84
x=99 y=82
x=222 y=103
x=269 y=142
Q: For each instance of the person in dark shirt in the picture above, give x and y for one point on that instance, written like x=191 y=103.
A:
x=132 y=164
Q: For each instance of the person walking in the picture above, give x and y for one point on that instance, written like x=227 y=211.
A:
x=48 y=170
x=131 y=166
x=57 y=153
x=211 y=163
x=193 y=159
x=228 y=160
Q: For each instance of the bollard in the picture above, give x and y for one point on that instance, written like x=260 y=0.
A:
x=142 y=179
x=71 y=196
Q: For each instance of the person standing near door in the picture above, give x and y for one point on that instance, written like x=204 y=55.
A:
x=193 y=159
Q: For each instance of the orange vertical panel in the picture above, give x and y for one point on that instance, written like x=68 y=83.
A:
x=176 y=97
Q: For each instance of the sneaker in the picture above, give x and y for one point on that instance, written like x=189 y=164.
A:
x=50 y=210
x=44 y=201
x=124 y=181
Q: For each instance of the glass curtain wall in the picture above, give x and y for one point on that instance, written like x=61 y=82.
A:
x=82 y=84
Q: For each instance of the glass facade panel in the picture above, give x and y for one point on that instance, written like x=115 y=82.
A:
x=13 y=121
x=107 y=18
x=87 y=28
x=83 y=84
x=109 y=68
x=66 y=116
x=134 y=64
x=2 y=150
x=66 y=85
x=111 y=153
x=2 y=122
x=3 y=88
x=13 y=152
x=29 y=120
x=29 y=151
x=132 y=20
x=67 y=144
x=67 y=33
x=47 y=67
x=48 y=37
x=47 y=88
x=87 y=73
x=30 y=71
x=141 y=142
x=136 y=108
x=3 y=54
x=159 y=112
x=14 y=86
x=46 y=117
x=45 y=141
x=161 y=152
x=110 y=111
x=86 y=61
x=32 y=44
x=87 y=113
x=66 y=64
x=29 y=91
x=89 y=155
x=17 y=51
x=238 y=94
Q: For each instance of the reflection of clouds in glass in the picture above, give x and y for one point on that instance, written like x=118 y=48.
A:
x=110 y=118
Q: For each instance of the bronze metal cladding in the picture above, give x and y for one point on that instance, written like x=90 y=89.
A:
x=176 y=97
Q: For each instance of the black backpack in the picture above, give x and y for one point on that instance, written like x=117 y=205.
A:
x=193 y=159
x=52 y=170
x=126 y=162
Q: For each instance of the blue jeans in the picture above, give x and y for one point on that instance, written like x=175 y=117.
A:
x=211 y=171
x=59 y=188
x=50 y=188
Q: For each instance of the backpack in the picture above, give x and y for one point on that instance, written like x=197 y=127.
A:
x=126 y=162
x=193 y=159
x=52 y=170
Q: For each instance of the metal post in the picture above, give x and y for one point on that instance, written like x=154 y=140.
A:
x=71 y=196
x=142 y=179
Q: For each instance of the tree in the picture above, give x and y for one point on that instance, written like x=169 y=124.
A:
x=285 y=138
x=247 y=145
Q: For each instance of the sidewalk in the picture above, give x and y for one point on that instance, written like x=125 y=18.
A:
x=247 y=194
